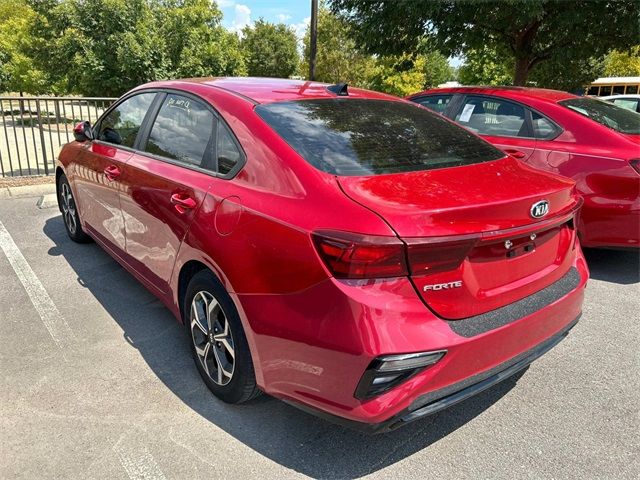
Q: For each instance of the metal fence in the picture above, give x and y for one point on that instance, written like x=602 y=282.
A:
x=33 y=129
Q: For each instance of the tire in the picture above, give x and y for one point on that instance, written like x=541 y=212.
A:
x=218 y=342
x=70 y=217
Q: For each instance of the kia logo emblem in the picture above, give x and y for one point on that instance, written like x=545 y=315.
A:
x=540 y=209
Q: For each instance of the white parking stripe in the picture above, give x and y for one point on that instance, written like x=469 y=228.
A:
x=138 y=462
x=52 y=319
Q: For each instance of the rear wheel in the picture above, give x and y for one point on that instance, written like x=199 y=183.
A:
x=70 y=216
x=219 y=345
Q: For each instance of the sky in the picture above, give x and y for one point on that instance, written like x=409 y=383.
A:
x=238 y=14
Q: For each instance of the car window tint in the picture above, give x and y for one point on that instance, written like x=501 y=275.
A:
x=345 y=136
x=122 y=124
x=183 y=131
x=228 y=152
x=489 y=116
x=628 y=103
x=543 y=127
x=437 y=103
x=605 y=113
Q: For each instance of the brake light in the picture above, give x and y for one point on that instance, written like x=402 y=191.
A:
x=351 y=255
x=433 y=255
x=635 y=164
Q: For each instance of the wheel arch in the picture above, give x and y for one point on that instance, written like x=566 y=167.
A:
x=187 y=271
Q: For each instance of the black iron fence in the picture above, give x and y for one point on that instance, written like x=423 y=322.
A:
x=33 y=129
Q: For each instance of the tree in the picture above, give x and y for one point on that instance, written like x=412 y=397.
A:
x=17 y=71
x=485 y=67
x=622 y=63
x=106 y=47
x=271 y=50
x=529 y=32
x=196 y=42
x=338 y=59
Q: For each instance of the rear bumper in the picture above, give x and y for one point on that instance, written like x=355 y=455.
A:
x=313 y=347
x=438 y=400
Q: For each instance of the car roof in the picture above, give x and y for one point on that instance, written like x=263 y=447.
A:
x=515 y=93
x=266 y=90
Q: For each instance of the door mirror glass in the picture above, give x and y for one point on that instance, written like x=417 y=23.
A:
x=82 y=132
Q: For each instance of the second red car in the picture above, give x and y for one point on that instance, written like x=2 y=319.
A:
x=594 y=142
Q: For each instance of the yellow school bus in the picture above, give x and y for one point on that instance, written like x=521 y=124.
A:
x=614 y=86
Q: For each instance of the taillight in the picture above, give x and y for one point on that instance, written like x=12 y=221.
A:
x=635 y=164
x=433 y=255
x=351 y=255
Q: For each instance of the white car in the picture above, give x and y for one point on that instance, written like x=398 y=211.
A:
x=630 y=101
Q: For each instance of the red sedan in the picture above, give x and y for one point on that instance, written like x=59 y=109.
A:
x=346 y=251
x=593 y=142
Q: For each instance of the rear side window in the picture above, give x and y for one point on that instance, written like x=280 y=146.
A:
x=610 y=115
x=229 y=154
x=543 y=128
x=437 y=103
x=371 y=137
x=183 y=131
x=492 y=116
x=122 y=124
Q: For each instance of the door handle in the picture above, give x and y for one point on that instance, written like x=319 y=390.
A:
x=515 y=153
x=183 y=202
x=112 y=172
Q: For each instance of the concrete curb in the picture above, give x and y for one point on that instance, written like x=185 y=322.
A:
x=28 y=191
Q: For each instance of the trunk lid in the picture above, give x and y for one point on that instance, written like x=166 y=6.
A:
x=486 y=208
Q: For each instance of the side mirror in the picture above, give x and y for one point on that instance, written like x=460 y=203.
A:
x=82 y=132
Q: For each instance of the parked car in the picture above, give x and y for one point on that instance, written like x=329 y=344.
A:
x=592 y=141
x=344 y=250
x=631 y=102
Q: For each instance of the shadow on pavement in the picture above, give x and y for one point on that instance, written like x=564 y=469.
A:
x=617 y=266
x=290 y=437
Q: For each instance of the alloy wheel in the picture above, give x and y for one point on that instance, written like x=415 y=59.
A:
x=68 y=208
x=212 y=338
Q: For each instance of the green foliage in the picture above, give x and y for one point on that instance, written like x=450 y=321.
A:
x=338 y=57
x=528 y=32
x=17 y=72
x=271 y=50
x=106 y=47
x=485 y=67
x=622 y=63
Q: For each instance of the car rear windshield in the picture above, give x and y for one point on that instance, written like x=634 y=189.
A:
x=619 y=119
x=372 y=137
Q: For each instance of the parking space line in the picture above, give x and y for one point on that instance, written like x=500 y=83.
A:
x=51 y=317
x=138 y=462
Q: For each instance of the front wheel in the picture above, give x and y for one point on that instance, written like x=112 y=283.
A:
x=219 y=345
x=67 y=205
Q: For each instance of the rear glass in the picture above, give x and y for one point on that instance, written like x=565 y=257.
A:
x=372 y=137
x=607 y=114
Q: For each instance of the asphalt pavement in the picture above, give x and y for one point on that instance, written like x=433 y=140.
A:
x=98 y=382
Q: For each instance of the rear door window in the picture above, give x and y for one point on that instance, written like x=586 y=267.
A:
x=122 y=124
x=437 y=103
x=493 y=116
x=184 y=131
x=346 y=136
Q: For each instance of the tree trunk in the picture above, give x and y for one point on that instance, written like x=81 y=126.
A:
x=521 y=71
